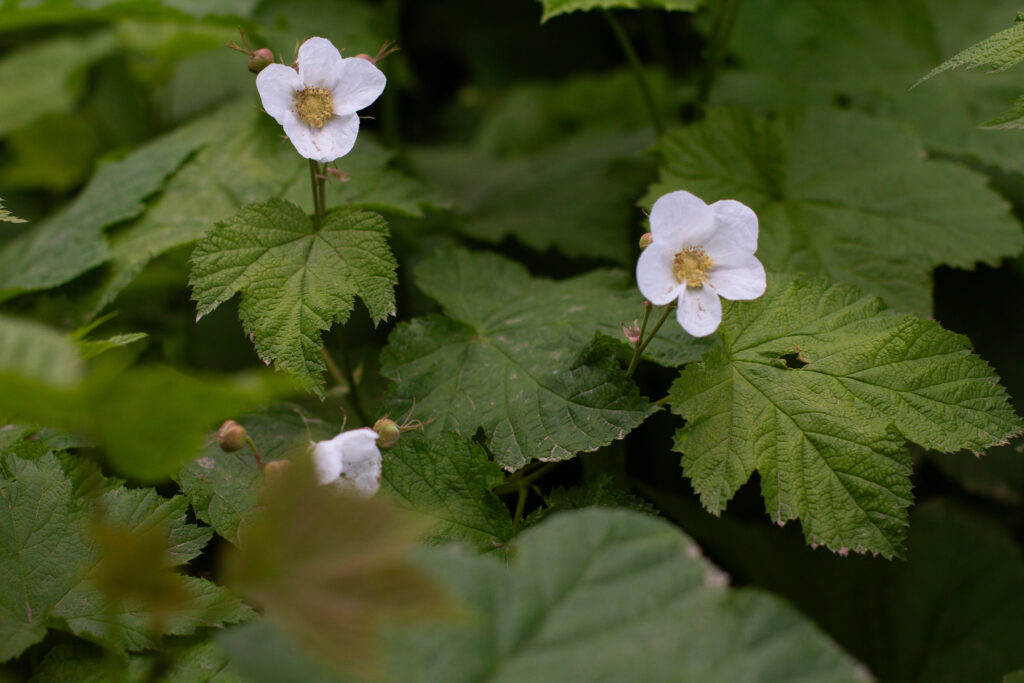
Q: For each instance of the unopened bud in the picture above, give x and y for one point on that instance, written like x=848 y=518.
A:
x=231 y=436
x=646 y=240
x=363 y=55
x=388 y=431
x=632 y=331
x=260 y=59
x=275 y=469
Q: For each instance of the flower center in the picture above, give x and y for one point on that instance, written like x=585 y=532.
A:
x=314 y=106
x=691 y=265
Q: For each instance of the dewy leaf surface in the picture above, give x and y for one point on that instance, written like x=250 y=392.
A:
x=868 y=53
x=817 y=387
x=552 y=8
x=844 y=197
x=602 y=595
x=515 y=356
x=449 y=479
x=49 y=558
x=295 y=279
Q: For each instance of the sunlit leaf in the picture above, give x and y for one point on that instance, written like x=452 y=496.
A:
x=817 y=387
x=845 y=197
x=449 y=480
x=296 y=278
x=611 y=595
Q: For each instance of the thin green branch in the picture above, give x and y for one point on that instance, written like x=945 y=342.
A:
x=638 y=71
x=723 y=20
x=644 y=343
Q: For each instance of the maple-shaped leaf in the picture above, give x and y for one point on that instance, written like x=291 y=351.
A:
x=843 y=196
x=296 y=278
x=516 y=356
x=818 y=387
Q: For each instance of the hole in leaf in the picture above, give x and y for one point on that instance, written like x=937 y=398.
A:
x=793 y=362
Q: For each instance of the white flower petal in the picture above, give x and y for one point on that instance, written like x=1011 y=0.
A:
x=361 y=461
x=680 y=219
x=746 y=280
x=359 y=83
x=327 y=461
x=319 y=63
x=335 y=139
x=654 y=274
x=277 y=85
x=735 y=227
x=700 y=311
x=299 y=133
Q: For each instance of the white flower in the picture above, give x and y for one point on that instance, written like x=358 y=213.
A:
x=698 y=254
x=350 y=461
x=317 y=105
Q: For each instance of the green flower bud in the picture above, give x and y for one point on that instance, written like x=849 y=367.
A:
x=231 y=436
x=389 y=433
x=260 y=59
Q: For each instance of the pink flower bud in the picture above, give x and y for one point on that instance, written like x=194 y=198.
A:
x=389 y=433
x=632 y=331
x=231 y=436
x=260 y=59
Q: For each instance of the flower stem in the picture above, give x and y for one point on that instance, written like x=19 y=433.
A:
x=638 y=70
x=515 y=483
x=524 y=491
x=353 y=386
x=722 y=21
x=255 y=451
x=313 y=172
x=643 y=345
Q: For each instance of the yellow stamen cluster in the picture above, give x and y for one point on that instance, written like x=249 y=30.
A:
x=315 y=106
x=691 y=265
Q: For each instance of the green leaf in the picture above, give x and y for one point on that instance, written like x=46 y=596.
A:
x=6 y=217
x=46 y=77
x=183 y=660
x=295 y=279
x=1000 y=51
x=868 y=53
x=451 y=480
x=952 y=611
x=610 y=595
x=38 y=352
x=1012 y=118
x=575 y=197
x=245 y=154
x=515 y=356
x=552 y=8
x=844 y=197
x=225 y=488
x=48 y=568
x=71 y=242
x=817 y=387
x=90 y=348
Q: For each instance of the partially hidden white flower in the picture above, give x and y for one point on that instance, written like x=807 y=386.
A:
x=350 y=461
x=317 y=104
x=699 y=253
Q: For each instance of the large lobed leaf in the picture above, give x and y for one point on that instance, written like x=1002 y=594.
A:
x=552 y=8
x=1000 y=51
x=817 y=387
x=515 y=356
x=296 y=279
x=844 y=197
x=49 y=562
x=602 y=595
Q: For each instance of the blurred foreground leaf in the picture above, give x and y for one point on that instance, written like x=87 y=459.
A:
x=610 y=595
x=331 y=567
x=181 y=660
x=844 y=197
x=296 y=278
x=817 y=388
